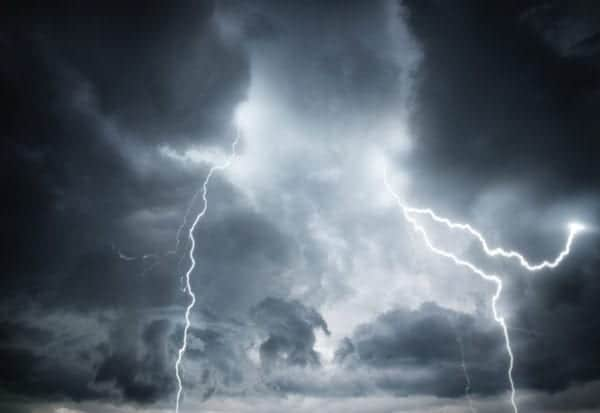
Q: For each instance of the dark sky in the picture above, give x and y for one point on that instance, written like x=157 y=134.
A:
x=313 y=293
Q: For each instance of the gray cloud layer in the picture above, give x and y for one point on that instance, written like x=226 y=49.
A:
x=309 y=283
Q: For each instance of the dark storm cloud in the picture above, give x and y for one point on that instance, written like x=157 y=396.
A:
x=101 y=280
x=242 y=259
x=522 y=78
x=289 y=327
x=571 y=28
x=141 y=373
x=490 y=80
x=219 y=350
x=89 y=93
x=162 y=71
x=102 y=101
x=561 y=310
x=29 y=369
x=427 y=342
x=86 y=93
x=26 y=373
x=127 y=358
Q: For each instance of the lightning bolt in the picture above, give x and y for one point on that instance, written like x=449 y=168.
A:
x=463 y=363
x=459 y=340
x=188 y=286
x=408 y=214
x=574 y=228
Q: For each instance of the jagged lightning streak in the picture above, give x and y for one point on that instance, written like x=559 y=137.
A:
x=463 y=364
x=574 y=228
x=188 y=286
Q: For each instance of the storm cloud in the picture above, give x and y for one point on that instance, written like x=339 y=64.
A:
x=312 y=291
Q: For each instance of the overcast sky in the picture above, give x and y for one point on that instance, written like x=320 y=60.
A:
x=313 y=292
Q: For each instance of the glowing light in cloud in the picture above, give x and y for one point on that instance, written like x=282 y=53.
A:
x=576 y=227
x=246 y=115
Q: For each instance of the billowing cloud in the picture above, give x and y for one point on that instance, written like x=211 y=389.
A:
x=289 y=327
x=310 y=285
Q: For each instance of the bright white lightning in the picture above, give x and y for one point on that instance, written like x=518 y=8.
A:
x=574 y=228
x=188 y=286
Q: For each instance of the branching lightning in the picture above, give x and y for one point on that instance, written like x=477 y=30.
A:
x=154 y=258
x=408 y=214
x=188 y=287
x=574 y=228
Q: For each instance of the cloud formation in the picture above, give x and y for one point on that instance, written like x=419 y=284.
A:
x=309 y=283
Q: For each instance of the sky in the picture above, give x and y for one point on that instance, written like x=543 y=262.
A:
x=313 y=292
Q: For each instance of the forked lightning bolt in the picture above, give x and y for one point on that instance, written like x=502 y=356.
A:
x=409 y=212
x=574 y=228
x=188 y=287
